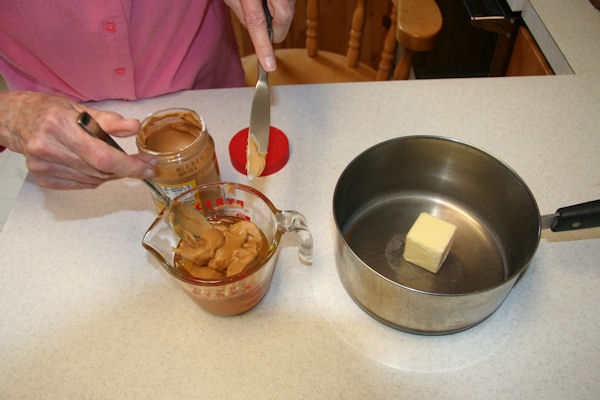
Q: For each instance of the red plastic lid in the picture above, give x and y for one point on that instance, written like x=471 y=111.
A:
x=277 y=156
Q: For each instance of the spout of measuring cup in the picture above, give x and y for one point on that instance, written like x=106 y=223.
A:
x=293 y=221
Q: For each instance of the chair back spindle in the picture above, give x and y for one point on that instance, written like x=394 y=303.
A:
x=356 y=33
x=312 y=28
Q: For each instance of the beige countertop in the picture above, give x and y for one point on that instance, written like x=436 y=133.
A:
x=566 y=32
x=87 y=313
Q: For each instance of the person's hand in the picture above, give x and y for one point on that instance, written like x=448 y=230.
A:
x=59 y=153
x=251 y=14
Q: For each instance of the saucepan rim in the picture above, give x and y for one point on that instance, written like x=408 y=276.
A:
x=516 y=271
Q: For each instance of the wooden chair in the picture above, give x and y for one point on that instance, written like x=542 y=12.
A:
x=414 y=25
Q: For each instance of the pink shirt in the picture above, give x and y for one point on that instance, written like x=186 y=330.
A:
x=117 y=49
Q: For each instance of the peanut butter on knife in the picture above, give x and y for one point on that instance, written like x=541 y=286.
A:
x=256 y=161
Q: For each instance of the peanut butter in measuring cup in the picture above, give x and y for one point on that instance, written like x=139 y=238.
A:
x=185 y=151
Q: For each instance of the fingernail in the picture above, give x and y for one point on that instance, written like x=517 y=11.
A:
x=149 y=173
x=270 y=64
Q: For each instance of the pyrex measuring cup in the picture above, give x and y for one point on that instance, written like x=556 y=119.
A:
x=239 y=293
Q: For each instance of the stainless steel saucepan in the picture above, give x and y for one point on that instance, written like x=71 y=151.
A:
x=383 y=190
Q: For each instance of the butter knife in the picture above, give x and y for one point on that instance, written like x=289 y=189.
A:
x=260 y=117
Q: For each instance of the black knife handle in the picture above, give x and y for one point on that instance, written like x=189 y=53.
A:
x=269 y=20
x=90 y=125
x=580 y=216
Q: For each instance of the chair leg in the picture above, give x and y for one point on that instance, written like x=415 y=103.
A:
x=403 y=68
x=388 y=54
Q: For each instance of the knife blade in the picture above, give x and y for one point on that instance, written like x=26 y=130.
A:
x=260 y=117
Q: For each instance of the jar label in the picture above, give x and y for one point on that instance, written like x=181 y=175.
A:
x=173 y=191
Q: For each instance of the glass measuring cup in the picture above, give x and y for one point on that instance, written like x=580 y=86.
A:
x=238 y=293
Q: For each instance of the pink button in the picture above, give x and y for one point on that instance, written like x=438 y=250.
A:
x=120 y=71
x=110 y=27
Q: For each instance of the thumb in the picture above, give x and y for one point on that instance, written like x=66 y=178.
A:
x=114 y=124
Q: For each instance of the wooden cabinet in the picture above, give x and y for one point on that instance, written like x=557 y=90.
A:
x=527 y=58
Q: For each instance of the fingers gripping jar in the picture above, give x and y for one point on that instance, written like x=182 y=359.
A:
x=185 y=151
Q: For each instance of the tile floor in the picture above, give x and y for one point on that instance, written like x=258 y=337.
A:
x=12 y=174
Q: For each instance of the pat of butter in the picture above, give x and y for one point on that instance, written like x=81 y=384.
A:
x=428 y=242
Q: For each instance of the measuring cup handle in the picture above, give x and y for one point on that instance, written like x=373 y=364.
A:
x=293 y=221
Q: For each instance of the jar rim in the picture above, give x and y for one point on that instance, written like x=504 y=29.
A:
x=165 y=112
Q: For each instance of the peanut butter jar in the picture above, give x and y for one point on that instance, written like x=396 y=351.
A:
x=185 y=151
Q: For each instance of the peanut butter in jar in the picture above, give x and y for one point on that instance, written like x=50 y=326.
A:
x=185 y=151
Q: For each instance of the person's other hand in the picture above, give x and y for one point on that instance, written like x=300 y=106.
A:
x=251 y=14
x=59 y=153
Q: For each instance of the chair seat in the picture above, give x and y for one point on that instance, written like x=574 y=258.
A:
x=295 y=67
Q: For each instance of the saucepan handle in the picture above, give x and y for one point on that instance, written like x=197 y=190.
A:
x=579 y=216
